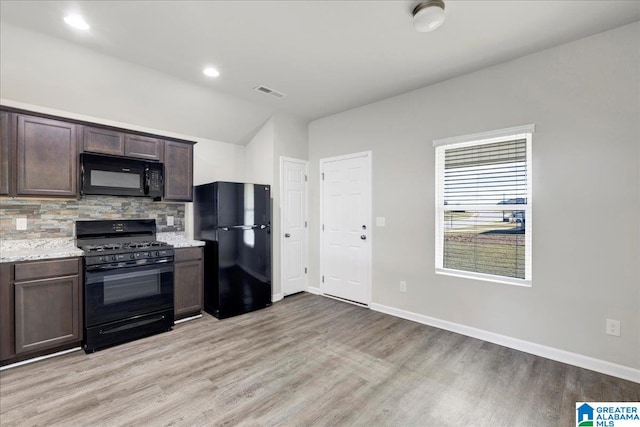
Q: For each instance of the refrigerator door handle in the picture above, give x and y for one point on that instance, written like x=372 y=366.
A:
x=241 y=227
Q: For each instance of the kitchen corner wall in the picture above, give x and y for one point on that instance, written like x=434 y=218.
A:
x=54 y=218
x=583 y=99
x=283 y=135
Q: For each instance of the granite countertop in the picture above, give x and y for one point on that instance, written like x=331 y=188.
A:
x=178 y=240
x=37 y=249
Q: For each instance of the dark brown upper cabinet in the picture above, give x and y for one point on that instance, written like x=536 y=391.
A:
x=178 y=171
x=39 y=155
x=47 y=157
x=108 y=141
x=103 y=141
x=4 y=153
x=143 y=147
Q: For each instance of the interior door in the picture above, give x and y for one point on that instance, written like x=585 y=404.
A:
x=294 y=226
x=346 y=227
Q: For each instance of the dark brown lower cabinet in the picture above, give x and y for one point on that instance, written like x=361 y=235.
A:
x=42 y=301
x=7 y=332
x=188 y=282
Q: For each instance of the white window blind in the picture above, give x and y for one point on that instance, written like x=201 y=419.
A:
x=483 y=218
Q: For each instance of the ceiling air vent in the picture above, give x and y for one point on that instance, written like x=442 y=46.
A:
x=269 y=91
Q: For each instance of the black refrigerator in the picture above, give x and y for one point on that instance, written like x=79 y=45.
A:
x=234 y=221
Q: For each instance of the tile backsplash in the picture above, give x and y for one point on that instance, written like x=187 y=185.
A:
x=55 y=218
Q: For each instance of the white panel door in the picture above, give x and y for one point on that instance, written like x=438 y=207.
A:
x=346 y=227
x=294 y=223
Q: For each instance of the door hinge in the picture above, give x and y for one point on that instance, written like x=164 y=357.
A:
x=305 y=224
x=305 y=178
x=305 y=270
x=322 y=279
x=322 y=227
x=323 y=176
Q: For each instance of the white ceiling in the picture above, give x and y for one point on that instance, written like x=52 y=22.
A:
x=327 y=56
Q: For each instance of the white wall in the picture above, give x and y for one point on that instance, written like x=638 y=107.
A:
x=259 y=155
x=53 y=73
x=584 y=100
x=283 y=135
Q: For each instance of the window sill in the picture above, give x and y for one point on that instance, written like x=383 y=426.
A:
x=485 y=277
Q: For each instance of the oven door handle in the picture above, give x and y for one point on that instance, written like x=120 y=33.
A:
x=129 y=264
x=131 y=325
x=98 y=274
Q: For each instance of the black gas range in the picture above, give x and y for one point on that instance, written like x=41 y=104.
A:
x=128 y=288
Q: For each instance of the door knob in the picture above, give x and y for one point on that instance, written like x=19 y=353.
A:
x=363 y=237
x=287 y=235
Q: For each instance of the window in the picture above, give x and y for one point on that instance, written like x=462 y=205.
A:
x=483 y=206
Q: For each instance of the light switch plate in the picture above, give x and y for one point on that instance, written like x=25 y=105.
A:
x=169 y=220
x=21 y=224
x=380 y=221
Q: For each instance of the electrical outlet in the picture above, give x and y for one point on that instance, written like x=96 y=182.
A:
x=380 y=221
x=21 y=224
x=613 y=327
x=169 y=220
x=403 y=286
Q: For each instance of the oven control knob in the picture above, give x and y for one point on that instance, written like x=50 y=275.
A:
x=131 y=256
x=156 y=253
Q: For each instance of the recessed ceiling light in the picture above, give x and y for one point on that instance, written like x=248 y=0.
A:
x=211 y=72
x=76 y=21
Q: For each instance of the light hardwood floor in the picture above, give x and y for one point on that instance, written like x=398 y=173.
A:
x=305 y=361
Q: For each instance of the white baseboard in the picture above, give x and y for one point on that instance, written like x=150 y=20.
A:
x=558 y=355
x=37 y=359
x=186 y=319
x=314 y=290
x=277 y=297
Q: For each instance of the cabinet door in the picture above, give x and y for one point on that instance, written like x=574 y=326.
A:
x=7 y=345
x=47 y=157
x=103 y=141
x=178 y=171
x=143 y=147
x=47 y=313
x=4 y=153
x=188 y=279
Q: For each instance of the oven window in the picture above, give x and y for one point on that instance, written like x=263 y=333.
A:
x=101 y=178
x=130 y=286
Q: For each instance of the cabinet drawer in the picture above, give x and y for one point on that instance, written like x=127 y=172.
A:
x=44 y=269
x=186 y=254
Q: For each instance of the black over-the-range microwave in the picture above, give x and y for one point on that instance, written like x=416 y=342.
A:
x=118 y=176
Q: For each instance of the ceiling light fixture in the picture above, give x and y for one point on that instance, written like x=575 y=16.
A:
x=211 y=72
x=428 y=15
x=76 y=21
